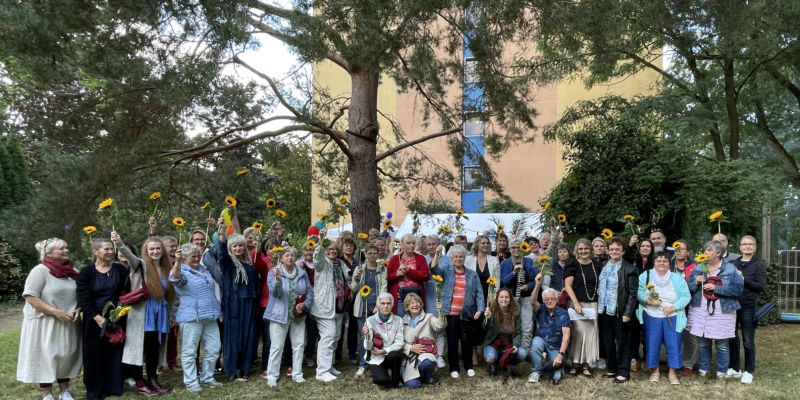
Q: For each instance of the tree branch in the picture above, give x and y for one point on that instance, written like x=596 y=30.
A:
x=332 y=56
x=225 y=133
x=402 y=146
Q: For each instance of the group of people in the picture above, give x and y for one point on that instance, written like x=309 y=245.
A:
x=565 y=309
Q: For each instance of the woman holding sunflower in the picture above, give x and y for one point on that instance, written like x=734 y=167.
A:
x=663 y=296
x=519 y=275
x=240 y=286
x=503 y=342
x=372 y=276
x=261 y=263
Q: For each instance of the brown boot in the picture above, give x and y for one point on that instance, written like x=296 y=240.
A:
x=152 y=382
x=142 y=389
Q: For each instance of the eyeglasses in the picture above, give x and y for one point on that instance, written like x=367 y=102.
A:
x=549 y=299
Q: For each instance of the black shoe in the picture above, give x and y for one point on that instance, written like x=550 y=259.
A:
x=555 y=382
x=492 y=370
x=432 y=382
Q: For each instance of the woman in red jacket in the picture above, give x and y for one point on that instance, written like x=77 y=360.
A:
x=407 y=273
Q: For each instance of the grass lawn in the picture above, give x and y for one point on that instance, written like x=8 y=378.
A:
x=777 y=377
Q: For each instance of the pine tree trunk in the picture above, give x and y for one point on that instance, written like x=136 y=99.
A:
x=362 y=169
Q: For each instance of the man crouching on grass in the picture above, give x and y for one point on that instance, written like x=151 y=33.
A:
x=552 y=334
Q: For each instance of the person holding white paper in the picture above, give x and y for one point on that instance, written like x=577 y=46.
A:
x=580 y=282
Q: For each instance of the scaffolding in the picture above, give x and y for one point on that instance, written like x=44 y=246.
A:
x=788 y=300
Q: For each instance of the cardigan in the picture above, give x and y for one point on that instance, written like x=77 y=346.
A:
x=195 y=289
x=420 y=274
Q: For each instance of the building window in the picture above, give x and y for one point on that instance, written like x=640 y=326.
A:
x=470 y=76
x=473 y=127
x=473 y=179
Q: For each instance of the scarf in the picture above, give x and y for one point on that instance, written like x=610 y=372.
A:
x=383 y=318
x=413 y=321
x=292 y=278
x=65 y=270
x=520 y=278
x=661 y=280
x=607 y=288
x=241 y=273
x=338 y=283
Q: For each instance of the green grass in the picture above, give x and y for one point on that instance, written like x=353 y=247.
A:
x=776 y=377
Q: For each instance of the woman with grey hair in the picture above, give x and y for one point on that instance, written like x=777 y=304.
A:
x=50 y=342
x=290 y=298
x=197 y=315
x=462 y=303
x=240 y=284
x=407 y=272
x=715 y=286
x=384 y=342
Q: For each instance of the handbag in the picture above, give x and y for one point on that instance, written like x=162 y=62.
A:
x=428 y=344
x=377 y=340
x=299 y=300
x=563 y=299
x=711 y=305
x=136 y=296
x=114 y=332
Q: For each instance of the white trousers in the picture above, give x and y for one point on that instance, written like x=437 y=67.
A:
x=277 y=334
x=330 y=329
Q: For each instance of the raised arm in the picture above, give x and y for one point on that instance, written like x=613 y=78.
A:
x=134 y=262
x=535 y=294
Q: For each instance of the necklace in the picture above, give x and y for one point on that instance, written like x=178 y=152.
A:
x=585 y=285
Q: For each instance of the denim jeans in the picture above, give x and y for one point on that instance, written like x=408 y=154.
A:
x=361 y=349
x=537 y=348
x=744 y=319
x=192 y=333
x=490 y=353
x=723 y=354
x=426 y=369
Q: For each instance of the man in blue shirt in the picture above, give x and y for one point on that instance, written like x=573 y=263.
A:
x=552 y=334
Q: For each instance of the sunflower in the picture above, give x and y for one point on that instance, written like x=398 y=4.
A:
x=123 y=312
x=362 y=235
x=491 y=281
x=178 y=221
x=271 y=203
x=230 y=201
x=437 y=278
x=542 y=258
x=311 y=244
x=106 y=203
x=342 y=200
x=606 y=233
x=364 y=292
x=524 y=247
x=277 y=249
x=280 y=213
x=459 y=212
x=701 y=258
x=546 y=205
x=628 y=217
x=715 y=215
x=204 y=206
x=562 y=218
x=649 y=285
x=155 y=196
x=339 y=210
x=258 y=226
x=384 y=262
x=387 y=224
x=241 y=172
x=500 y=228
x=89 y=229
x=676 y=245
x=324 y=216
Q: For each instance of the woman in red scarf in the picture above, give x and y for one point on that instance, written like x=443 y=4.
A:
x=50 y=342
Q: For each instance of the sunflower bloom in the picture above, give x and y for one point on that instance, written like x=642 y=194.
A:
x=311 y=245
x=271 y=203
x=89 y=229
x=230 y=201
x=364 y=292
x=204 y=206
x=387 y=224
x=715 y=216
x=562 y=218
x=676 y=245
x=542 y=258
x=339 y=210
x=343 y=200
x=438 y=278
x=258 y=226
x=241 y=172
x=155 y=196
x=606 y=233
x=701 y=258
x=546 y=205
x=628 y=217
x=362 y=235
x=525 y=247
x=280 y=213
x=106 y=203
x=324 y=216
x=500 y=228
x=178 y=221
x=459 y=212
x=491 y=281
x=384 y=262
x=277 y=249
x=123 y=312
x=650 y=285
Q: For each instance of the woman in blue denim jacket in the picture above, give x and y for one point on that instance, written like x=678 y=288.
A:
x=462 y=303
x=715 y=287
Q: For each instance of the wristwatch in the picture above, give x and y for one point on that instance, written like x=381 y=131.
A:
x=562 y=353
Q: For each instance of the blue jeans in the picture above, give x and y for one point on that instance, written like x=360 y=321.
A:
x=361 y=349
x=490 y=353
x=537 y=348
x=744 y=318
x=658 y=331
x=426 y=369
x=192 y=333
x=723 y=354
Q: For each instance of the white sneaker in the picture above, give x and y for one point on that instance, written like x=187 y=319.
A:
x=334 y=371
x=721 y=375
x=298 y=379
x=48 y=397
x=732 y=373
x=454 y=374
x=440 y=363
x=272 y=383
x=326 y=377
x=702 y=373
x=65 y=395
x=470 y=372
x=747 y=378
x=130 y=381
x=360 y=371
x=533 y=377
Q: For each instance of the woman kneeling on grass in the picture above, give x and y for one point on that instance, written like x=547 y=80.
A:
x=663 y=295
x=503 y=334
x=383 y=340
x=420 y=331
